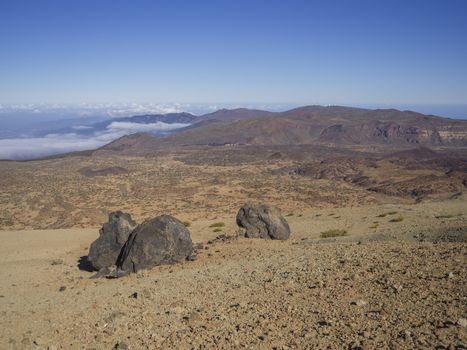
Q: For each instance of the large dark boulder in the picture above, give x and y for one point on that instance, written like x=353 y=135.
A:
x=159 y=241
x=263 y=221
x=104 y=250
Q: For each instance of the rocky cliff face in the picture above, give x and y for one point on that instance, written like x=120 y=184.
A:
x=453 y=135
x=394 y=133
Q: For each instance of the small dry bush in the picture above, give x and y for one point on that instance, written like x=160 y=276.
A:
x=398 y=219
x=217 y=224
x=333 y=233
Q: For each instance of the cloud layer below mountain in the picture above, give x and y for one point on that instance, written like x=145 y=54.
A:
x=138 y=127
x=30 y=148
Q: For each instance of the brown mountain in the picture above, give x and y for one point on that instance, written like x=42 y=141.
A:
x=236 y=114
x=333 y=125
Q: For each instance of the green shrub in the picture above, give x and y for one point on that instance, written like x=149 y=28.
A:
x=186 y=223
x=447 y=216
x=398 y=219
x=386 y=214
x=333 y=233
x=217 y=224
x=217 y=230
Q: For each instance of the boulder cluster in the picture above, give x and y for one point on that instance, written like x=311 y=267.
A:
x=124 y=247
x=129 y=247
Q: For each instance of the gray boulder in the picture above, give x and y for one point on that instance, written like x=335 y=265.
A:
x=263 y=221
x=104 y=250
x=159 y=241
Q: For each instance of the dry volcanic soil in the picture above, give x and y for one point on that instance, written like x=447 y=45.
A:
x=376 y=258
x=398 y=286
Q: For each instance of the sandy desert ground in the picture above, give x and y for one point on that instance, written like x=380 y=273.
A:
x=386 y=285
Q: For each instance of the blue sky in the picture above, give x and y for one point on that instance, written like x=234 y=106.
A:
x=339 y=52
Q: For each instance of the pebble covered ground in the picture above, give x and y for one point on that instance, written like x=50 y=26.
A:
x=255 y=294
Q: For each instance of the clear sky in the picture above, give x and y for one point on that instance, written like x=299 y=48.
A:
x=346 y=52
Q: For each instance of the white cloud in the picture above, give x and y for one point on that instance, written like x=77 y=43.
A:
x=81 y=127
x=44 y=146
x=29 y=148
x=138 y=127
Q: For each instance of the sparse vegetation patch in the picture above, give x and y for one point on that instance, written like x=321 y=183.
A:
x=333 y=233
x=448 y=216
x=386 y=214
x=217 y=224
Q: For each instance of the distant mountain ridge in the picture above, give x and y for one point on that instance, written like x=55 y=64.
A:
x=308 y=125
x=170 y=118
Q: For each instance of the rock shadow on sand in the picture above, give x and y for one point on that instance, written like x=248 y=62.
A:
x=84 y=264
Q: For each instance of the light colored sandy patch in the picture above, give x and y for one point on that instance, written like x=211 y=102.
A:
x=26 y=245
x=246 y=293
